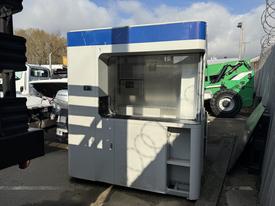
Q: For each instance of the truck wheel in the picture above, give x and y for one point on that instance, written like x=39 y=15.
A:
x=226 y=103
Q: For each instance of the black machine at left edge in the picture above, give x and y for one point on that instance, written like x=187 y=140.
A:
x=18 y=143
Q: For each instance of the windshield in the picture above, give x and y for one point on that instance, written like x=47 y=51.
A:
x=39 y=72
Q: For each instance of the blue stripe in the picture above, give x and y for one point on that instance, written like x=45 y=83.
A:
x=139 y=34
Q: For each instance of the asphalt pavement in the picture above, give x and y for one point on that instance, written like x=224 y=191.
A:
x=46 y=182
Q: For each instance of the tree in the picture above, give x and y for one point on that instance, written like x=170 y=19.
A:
x=40 y=44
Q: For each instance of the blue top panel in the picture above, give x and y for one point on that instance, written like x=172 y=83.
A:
x=139 y=34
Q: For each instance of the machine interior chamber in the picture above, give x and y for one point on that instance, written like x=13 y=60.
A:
x=163 y=86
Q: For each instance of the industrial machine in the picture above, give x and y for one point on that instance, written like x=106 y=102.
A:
x=18 y=143
x=136 y=114
x=229 y=87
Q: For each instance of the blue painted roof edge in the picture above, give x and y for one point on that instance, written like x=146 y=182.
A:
x=139 y=34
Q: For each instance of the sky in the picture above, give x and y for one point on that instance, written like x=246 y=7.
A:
x=234 y=6
x=61 y=16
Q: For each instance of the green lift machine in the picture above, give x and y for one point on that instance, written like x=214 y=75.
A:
x=229 y=87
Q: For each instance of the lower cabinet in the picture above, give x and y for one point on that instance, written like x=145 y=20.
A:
x=159 y=157
x=148 y=155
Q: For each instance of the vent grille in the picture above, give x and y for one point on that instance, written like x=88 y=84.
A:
x=13 y=116
x=12 y=52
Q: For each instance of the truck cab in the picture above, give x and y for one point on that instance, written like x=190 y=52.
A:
x=33 y=72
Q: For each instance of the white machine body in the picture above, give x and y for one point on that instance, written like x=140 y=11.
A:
x=136 y=115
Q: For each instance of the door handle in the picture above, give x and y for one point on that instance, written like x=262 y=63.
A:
x=111 y=146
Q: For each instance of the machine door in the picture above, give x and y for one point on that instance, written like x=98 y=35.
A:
x=140 y=155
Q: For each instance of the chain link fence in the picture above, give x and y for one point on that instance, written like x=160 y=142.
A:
x=268 y=24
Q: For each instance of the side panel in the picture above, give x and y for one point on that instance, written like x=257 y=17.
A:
x=90 y=137
x=196 y=148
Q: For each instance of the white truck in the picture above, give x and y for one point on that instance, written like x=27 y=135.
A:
x=39 y=107
x=37 y=86
x=56 y=90
x=33 y=72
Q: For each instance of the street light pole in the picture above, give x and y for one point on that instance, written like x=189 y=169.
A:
x=241 y=43
x=50 y=61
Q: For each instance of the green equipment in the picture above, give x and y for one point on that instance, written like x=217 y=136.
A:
x=229 y=87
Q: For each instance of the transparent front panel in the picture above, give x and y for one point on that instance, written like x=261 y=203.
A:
x=150 y=86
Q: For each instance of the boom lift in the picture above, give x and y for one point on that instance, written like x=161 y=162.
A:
x=229 y=87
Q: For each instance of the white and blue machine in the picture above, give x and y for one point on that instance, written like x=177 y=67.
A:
x=136 y=115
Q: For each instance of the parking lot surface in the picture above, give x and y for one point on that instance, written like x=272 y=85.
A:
x=47 y=182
